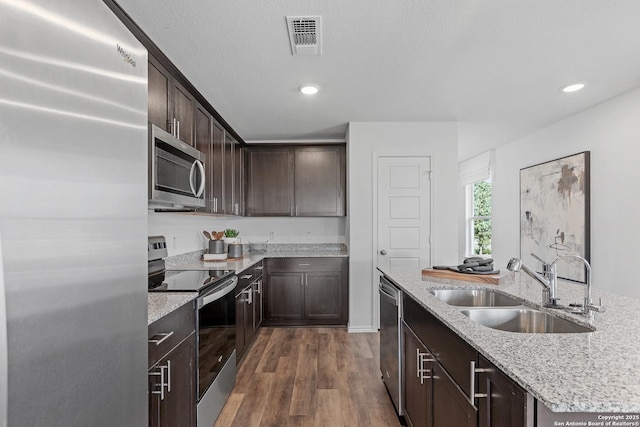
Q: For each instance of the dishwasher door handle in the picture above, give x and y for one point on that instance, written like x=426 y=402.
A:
x=391 y=299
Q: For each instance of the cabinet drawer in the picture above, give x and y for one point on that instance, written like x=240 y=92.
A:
x=258 y=269
x=453 y=353
x=170 y=330
x=245 y=278
x=248 y=276
x=302 y=265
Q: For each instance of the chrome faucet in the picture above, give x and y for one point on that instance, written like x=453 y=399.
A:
x=588 y=305
x=548 y=279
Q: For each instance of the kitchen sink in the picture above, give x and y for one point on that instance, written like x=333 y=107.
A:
x=474 y=298
x=523 y=319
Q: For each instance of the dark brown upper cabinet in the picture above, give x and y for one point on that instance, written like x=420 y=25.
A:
x=233 y=180
x=171 y=106
x=319 y=181
x=223 y=158
x=296 y=181
x=269 y=181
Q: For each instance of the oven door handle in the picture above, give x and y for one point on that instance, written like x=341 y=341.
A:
x=213 y=296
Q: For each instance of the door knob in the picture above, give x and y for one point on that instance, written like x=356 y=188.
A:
x=383 y=252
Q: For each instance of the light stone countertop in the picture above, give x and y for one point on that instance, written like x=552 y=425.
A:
x=163 y=303
x=193 y=260
x=577 y=372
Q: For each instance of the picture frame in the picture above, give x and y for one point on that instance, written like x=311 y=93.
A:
x=555 y=214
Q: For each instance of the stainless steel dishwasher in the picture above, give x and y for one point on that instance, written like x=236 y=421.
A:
x=390 y=340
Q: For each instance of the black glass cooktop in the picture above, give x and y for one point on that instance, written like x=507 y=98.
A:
x=187 y=280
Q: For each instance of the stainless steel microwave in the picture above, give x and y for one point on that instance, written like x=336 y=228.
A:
x=176 y=173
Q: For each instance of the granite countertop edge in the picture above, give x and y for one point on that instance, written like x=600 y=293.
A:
x=577 y=372
x=162 y=303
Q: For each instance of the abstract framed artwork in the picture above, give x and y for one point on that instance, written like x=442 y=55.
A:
x=554 y=213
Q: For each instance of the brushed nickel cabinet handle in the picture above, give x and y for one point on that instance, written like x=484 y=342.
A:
x=472 y=382
x=165 y=336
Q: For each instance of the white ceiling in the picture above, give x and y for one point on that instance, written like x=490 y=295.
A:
x=495 y=66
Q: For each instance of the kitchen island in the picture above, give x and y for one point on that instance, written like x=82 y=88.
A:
x=572 y=372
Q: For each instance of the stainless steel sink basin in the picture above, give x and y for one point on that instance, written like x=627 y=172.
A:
x=523 y=319
x=474 y=298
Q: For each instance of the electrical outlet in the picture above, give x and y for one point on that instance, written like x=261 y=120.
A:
x=272 y=235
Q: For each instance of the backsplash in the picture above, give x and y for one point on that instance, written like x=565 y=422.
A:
x=183 y=232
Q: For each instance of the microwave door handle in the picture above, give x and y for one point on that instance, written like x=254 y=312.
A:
x=200 y=167
x=202 y=178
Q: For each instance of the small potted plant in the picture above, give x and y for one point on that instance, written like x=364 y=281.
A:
x=231 y=236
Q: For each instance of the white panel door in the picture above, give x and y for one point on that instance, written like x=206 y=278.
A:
x=404 y=205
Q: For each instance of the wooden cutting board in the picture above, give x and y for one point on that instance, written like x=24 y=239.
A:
x=492 y=279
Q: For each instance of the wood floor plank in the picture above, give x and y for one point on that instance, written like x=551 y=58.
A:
x=329 y=412
x=252 y=407
x=324 y=377
x=327 y=362
x=230 y=410
x=303 y=398
x=276 y=412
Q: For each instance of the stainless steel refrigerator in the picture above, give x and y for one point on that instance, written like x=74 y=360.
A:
x=73 y=216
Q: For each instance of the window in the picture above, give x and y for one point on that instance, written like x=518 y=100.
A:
x=478 y=215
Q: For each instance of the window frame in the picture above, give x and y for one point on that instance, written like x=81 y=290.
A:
x=470 y=218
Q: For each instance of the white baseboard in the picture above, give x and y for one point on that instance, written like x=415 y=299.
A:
x=361 y=329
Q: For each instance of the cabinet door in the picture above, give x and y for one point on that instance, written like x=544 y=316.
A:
x=258 y=301
x=159 y=86
x=240 y=344
x=217 y=177
x=204 y=144
x=323 y=297
x=228 y=174
x=284 y=299
x=249 y=314
x=238 y=179
x=183 y=111
x=179 y=404
x=506 y=403
x=451 y=406
x=319 y=181
x=416 y=391
x=269 y=182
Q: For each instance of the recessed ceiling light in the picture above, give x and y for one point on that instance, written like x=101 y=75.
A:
x=573 y=87
x=309 y=90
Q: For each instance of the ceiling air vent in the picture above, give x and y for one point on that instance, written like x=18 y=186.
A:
x=305 y=35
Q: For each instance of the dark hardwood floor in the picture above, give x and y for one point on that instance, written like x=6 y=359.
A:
x=310 y=377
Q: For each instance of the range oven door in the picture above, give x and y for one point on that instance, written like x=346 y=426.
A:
x=216 y=332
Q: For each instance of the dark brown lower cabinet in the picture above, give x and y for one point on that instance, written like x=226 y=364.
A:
x=172 y=387
x=306 y=291
x=285 y=300
x=245 y=315
x=172 y=369
x=451 y=407
x=417 y=384
x=436 y=379
x=506 y=404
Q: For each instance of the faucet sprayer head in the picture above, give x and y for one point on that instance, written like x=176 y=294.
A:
x=514 y=264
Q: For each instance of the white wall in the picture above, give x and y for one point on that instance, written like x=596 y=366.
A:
x=184 y=231
x=611 y=131
x=438 y=140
